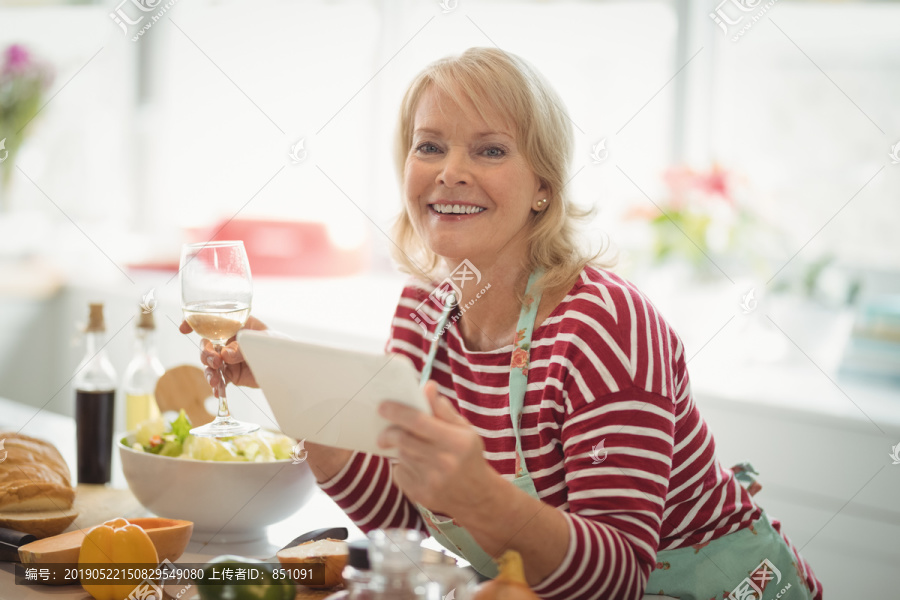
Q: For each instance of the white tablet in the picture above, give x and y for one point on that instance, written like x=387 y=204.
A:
x=328 y=395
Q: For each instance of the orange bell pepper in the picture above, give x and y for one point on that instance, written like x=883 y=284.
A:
x=116 y=542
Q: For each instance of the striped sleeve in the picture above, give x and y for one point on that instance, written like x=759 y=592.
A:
x=366 y=491
x=618 y=443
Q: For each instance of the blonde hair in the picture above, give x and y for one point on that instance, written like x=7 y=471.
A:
x=501 y=84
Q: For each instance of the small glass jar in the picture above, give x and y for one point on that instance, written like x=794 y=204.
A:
x=395 y=556
x=445 y=579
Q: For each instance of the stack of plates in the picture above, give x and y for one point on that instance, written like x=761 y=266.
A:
x=874 y=348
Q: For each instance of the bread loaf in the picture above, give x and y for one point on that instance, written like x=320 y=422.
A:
x=36 y=493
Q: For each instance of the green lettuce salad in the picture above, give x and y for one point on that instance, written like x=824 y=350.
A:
x=175 y=440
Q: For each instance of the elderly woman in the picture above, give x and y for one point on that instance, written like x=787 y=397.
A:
x=563 y=423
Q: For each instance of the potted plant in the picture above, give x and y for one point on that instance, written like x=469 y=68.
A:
x=23 y=82
x=704 y=220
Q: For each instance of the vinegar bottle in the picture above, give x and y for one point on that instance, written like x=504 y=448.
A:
x=142 y=374
x=95 y=396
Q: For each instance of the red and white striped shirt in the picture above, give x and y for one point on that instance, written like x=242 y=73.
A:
x=604 y=367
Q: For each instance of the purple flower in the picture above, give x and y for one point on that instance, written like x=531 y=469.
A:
x=17 y=58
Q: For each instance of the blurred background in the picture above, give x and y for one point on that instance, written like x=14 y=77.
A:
x=743 y=160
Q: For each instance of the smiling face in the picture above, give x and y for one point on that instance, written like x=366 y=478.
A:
x=470 y=193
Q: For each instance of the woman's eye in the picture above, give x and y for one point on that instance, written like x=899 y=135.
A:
x=427 y=148
x=494 y=152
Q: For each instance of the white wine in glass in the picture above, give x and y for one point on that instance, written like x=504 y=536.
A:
x=216 y=321
x=216 y=291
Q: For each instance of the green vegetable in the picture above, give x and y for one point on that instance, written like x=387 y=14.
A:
x=282 y=447
x=172 y=449
x=176 y=441
x=258 y=585
x=181 y=427
x=204 y=448
x=255 y=448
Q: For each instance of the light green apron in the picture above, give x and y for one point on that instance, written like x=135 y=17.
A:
x=451 y=536
x=733 y=564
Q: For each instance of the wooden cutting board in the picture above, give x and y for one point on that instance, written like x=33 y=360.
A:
x=184 y=387
x=97 y=504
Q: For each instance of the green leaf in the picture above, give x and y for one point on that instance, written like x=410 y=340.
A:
x=181 y=427
x=171 y=449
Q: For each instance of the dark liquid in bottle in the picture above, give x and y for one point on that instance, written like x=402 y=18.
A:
x=94 y=430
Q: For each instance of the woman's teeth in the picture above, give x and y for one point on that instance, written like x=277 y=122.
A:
x=456 y=209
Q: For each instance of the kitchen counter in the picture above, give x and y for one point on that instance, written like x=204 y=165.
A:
x=99 y=503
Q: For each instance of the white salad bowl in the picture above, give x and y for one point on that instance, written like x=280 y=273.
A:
x=227 y=501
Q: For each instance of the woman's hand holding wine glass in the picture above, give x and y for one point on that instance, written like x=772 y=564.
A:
x=231 y=358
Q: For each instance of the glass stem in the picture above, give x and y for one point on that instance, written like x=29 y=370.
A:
x=223 y=398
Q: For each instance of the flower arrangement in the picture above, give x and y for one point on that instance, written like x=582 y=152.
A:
x=703 y=216
x=23 y=82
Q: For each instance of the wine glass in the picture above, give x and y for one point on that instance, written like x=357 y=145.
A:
x=215 y=296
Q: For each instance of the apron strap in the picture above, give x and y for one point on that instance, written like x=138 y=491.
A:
x=518 y=370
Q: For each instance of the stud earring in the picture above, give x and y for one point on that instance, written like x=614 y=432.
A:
x=541 y=203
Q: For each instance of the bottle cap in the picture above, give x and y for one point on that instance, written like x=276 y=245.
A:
x=359 y=555
x=95 y=319
x=145 y=320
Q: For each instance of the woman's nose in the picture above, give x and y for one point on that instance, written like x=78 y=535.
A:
x=454 y=169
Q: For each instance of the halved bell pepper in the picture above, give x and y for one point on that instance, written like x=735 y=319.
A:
x=116 y=542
